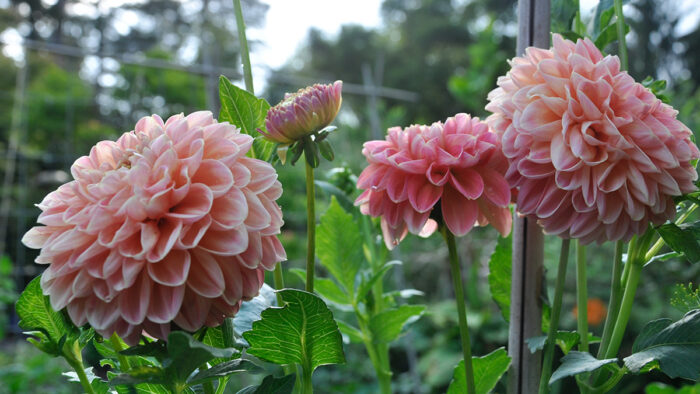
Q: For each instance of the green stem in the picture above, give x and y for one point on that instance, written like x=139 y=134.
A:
x=461 y=309
x=306 y=383
x=621 y=34
x=614 y=304
x=625 y=309
x=117 y=345
x=554 y=321
x=77 y=365
x=228 y=332
x=279 y=283
x=208 y=386
x=383 y=375
x=582 y=296
x=222 y=385
x=310 y=228
x=245 y=55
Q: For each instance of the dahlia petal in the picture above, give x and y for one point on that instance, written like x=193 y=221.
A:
x=192 y=234
x=468 y=182
x=193 y=312
x=36 y=237
x=215 y=175
x=423 y=196
x=197 y=204
x=134 y=301
x=169 y=233
x=172 y=270
x=165 y=303
x=496 y=189
x=226 y=243
x=458 y=212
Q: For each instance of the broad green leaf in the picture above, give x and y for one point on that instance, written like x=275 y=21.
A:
x=246 y=112
x=50 y=328
x=500 y=268
x=339 y=245
x=223 y=369
x=676 y=346
x=185 y=354
x=604 y=12
x=272 y=385
x=141 y=374
x=250 y=310
x=562 y=14
x=353 y=334
x=326 y=288
x=682 y=239
x=487 y=372
x=609 y=35
x=367 y=283
x=660 y=388
x=566 y=340
x=389 y=324
x=302 y=331
x=575 y=363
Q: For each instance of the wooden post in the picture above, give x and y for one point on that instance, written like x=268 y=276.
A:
x=528 y=241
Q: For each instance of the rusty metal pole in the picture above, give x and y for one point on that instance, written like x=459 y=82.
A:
x=528 y=240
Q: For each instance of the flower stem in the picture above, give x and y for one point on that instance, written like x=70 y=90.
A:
x=620 y=34
x=625 y=309
x=310 y=228
x=228 y=332
x=660 y=242
x=245 y=55
x=78 y=367
x=306 y=383
x=582 y=296
x=614 y=304
x=117 y=345
x=554 y=321
x=461 y=309
x=279 y=283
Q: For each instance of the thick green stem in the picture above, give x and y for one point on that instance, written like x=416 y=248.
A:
x=279 y=283
x=625 y=309
x=222 y=385
x=554 y=321
x=461 y=309
x=245 y=55
x=383 y=375
x=614 y=304
x=621 y=34
x=310 y=228
x=306 y=383
x=117 y=345
x=77 y=365
x=582 y=296
x=228 y=332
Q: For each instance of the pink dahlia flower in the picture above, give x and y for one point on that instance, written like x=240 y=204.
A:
x=594 y=155
x=303 y=113
x=170 y=223
x=456 y=168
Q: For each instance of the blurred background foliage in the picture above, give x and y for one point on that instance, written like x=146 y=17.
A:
x=88 y=71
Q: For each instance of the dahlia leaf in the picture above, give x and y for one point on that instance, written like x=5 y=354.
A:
x=339 y=245
x=51 y=329
x=301 y=332
x=247 y=112
x=604 y=12
x=609 y=35
x=140 y=374
x=566 y=340
x=575 y=363
x=488 y=370
x=326 y=288
x=367 y=284
x=223 y=369
x=185 y=354
x=272 y=385
x=500 y=267
x=350 y=332
x=388 y=325
x=335 y=191
x=682 y=239
x=562 y=14
x=676 y=347
x=250 y=310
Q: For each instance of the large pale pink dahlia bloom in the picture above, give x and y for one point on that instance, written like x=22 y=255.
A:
x=451 y=171
x=303 y=113
x=594 y=154
x=170 y=223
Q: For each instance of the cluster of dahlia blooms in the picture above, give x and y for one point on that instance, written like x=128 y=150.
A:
x=170 y=223
x=303 y=113
x=593 y=154
x=451 y=172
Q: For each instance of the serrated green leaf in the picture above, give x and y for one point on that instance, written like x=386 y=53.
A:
x=301 y=332
x=367 y=284
x=566 y=340
x=41 y=321
x=609 y=35
x=682 y=239
x=676 y=346
x=144 y=388
x=575 y=363
x=353 y=334
x=500 y=269
x=339 y=245
x=223 y=369
x=140 y=374
x=272 y=385
x=326 y=288
x=246 y=112
x=388 y=325
x=185 y=354
x=488 y=370
x=250 y=310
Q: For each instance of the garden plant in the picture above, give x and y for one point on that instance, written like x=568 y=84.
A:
x=156 y=250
